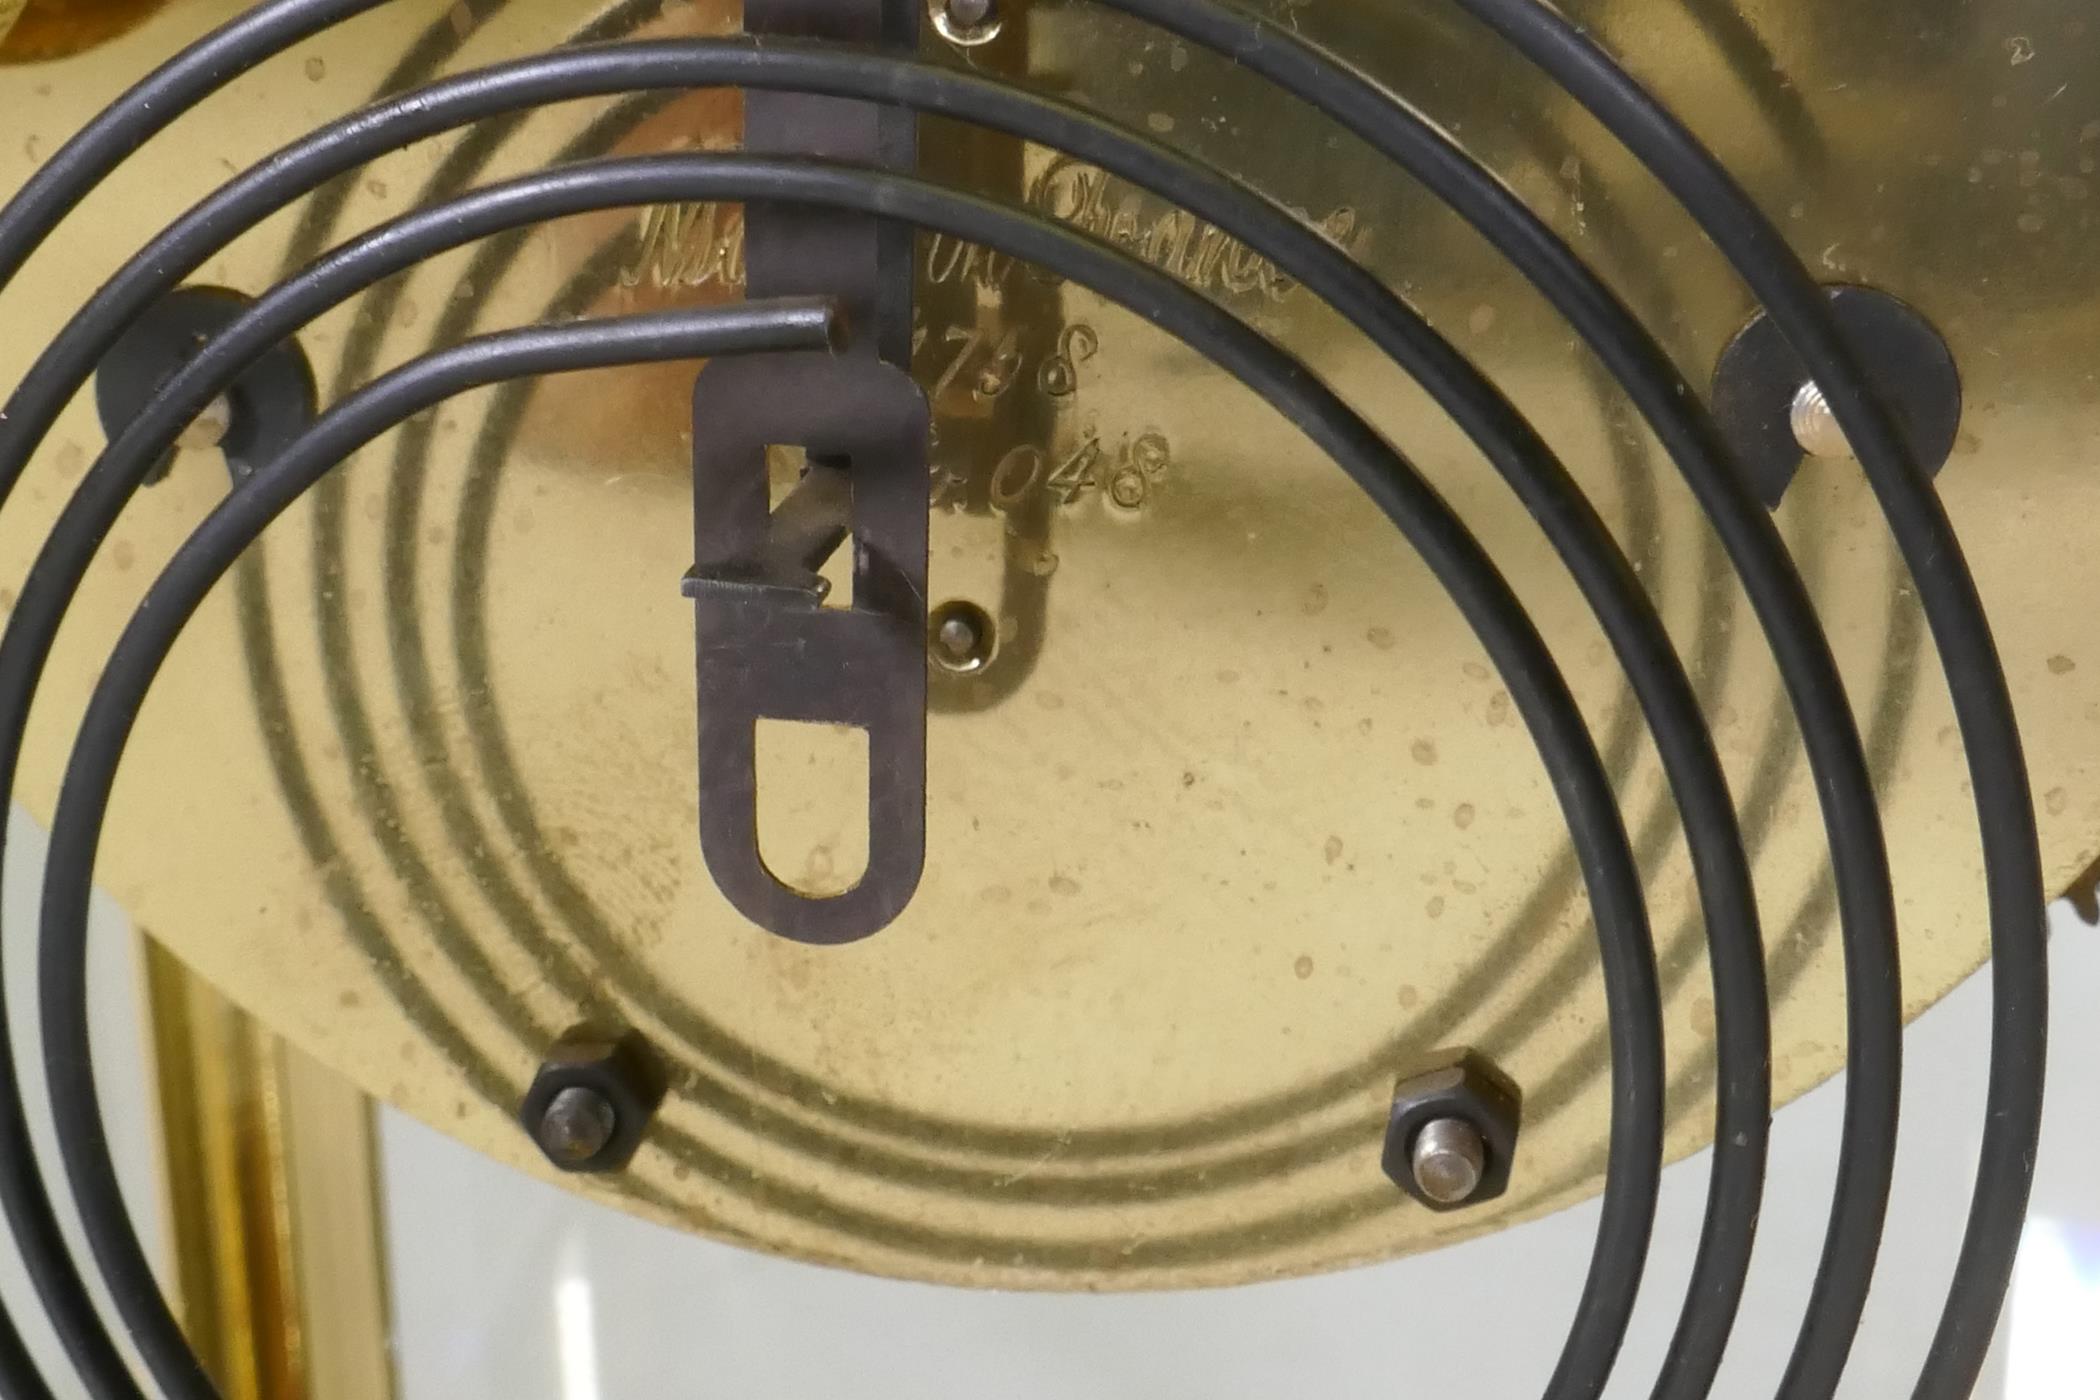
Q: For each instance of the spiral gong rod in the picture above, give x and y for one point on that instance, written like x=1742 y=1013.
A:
x=1514 y=448
x=1730 y=914
x=1744 y=1126
x=1189 y=186
x=1509 y=636
x=1657 y=389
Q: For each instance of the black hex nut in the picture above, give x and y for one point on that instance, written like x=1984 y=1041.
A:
x=592 y=1100
x=1467 y=1088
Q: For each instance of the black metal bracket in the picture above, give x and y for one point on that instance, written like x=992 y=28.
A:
x=768 y=647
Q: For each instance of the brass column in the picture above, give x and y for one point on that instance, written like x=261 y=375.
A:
x=270 y=1175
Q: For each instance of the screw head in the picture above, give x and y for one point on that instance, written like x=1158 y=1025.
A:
x=1450 y=1158
x=962 y=637
x=1127 y=489
x=577 y=1125
x=958 y=637
x=966 y=23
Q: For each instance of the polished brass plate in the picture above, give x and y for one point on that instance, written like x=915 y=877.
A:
x=1237 y=828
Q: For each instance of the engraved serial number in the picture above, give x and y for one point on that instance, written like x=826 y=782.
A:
x=1128 y=477
x=988 y=363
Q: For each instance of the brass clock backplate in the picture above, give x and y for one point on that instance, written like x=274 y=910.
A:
x=1237 y=828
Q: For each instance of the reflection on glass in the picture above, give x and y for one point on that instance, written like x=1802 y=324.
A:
x=576 y=1336
x=2055 y=1296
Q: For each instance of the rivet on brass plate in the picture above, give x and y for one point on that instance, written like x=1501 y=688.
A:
x=966 y=23
x=962 y=637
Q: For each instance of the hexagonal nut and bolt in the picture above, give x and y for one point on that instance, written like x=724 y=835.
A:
x=592 y=1100
x=1452 y=1134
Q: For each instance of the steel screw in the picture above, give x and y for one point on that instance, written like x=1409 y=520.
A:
x=1127 y=489
x=578 y=1124
x=963 y=637
x=1452 y=1135
x=1450 y=1157
x=592 y=1100
x=1815 y=426
x=958 y=638
x=966 y=22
